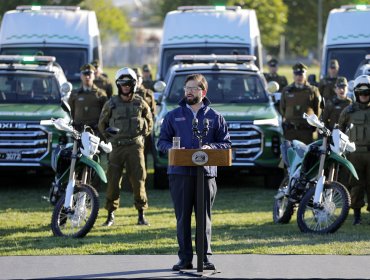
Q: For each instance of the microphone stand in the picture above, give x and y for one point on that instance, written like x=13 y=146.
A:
x=200 y=227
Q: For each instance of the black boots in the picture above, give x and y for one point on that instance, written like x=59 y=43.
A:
x=141 y=219
x=357 y=216
x=110 y=219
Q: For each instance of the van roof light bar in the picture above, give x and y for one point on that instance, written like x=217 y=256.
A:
x=215 y=58
x=26 y=59
x=208 y=8
x=359 y=7
x=39 y=8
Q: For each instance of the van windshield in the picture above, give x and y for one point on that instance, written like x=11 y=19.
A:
x=69 y=59
x=25 y=88
x=169 y=54
x=224 y=88
x=349 y=59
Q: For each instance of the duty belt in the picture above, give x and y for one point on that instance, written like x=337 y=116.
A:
x=129 y=141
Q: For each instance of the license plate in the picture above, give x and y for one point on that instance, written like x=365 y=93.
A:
x=10 y=156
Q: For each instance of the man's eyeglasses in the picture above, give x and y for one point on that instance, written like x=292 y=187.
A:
x=364 y=92
x=192 y=89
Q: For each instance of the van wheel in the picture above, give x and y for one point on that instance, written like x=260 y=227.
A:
x=160 y=178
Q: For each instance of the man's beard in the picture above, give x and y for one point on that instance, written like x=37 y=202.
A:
x=193 y=101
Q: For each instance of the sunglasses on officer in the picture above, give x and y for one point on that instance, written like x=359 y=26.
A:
x=125 y=83
x=364 y=92
x=87 y=73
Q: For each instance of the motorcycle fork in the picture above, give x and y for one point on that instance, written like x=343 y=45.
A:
x=72 y=181
x=320 y=175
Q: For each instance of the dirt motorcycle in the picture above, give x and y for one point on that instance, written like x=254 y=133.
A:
x=311 y=181
x=75 y=200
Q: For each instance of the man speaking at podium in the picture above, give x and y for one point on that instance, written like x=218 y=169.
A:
x=193 y=110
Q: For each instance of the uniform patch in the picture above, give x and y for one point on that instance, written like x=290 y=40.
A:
x=81 y=99
x=180 y=119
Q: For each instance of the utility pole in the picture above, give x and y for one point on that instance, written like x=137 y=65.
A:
x=319 y=30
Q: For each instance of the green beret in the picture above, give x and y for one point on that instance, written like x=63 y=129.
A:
x=146 y=68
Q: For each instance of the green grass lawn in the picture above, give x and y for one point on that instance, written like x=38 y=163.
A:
x=242 y=224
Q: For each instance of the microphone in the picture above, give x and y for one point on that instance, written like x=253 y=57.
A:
x=195 y=125
x=205 y=125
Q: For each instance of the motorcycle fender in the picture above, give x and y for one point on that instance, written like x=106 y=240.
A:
x=94 y=165
x=346 y=163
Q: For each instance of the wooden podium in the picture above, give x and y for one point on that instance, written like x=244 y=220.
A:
x=200 y=158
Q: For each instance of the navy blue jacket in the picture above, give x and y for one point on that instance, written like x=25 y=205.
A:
x=178 y=122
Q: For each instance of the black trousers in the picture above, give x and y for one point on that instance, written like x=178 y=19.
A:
x=184 y=197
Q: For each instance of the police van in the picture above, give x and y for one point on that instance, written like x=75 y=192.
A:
x=31 y=90
x=66 y=32
x=346 y=39
x=206 y=30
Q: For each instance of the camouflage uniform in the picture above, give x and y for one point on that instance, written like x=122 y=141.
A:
x=293 y=103
x=359 y=115
x=86 y=106
x=134 y=120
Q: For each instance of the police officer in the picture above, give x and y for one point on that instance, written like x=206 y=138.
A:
x=101 y=79
x=131 y=114
x=358 y=114
x=87 y=102
x=147 y=77
x=298 y=98
x=335 y=105
x=273 y=75
x=327 y=84
x=148 y=96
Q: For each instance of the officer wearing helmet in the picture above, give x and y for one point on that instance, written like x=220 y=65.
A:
x=358 y=114
x=132 y=116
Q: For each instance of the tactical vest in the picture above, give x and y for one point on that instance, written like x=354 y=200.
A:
x=297 y=102
x=128 y=117
x=360 y=133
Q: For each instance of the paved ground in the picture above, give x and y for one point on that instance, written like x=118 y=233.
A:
x=158 y=267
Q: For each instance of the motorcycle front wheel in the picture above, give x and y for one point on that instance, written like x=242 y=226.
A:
x=79 y=220
x=283 y=208
x=329 y=215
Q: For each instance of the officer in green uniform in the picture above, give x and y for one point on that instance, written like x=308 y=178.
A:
x=358 y=114
x=87 y=102
x=327 y=84
x=274 y=76
x=131 y=115
x=335 y=105
x=101 y=79
x=298 y=98
x=147 y=77
x=148 y=96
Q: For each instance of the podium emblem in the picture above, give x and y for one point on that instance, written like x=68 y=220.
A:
x=199 y=158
